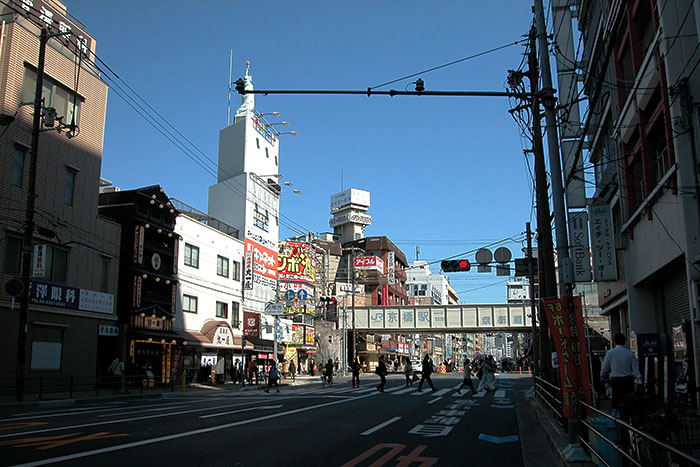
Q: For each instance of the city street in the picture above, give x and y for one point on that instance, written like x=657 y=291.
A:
x=302 y=424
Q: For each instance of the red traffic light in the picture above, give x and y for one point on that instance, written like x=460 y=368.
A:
x=455 y=265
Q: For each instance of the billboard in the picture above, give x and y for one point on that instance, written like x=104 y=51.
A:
x=296 y=263
x=350 y=197
x=374 y=263
x=264 y=262
x=251 y=324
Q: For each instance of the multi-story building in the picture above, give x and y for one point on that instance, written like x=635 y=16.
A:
x=71 y=321
x=148 y=284
x=209 y=313
x=640 y=66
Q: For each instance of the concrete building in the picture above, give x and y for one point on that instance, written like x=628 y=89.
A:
x=72 y=323
x=246 y=196
x=640 y=67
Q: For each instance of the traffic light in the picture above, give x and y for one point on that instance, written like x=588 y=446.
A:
x=329 y=300
x=521 y=267
x=455 y=265
x=330 y=338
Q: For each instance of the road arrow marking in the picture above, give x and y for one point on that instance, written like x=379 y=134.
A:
x=499 y=439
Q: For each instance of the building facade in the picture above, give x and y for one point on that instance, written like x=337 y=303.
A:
x=71 y=321
x=640 y=67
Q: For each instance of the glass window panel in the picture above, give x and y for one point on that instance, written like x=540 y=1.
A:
x=13 y=255
x=18 y=168
x=70 y=187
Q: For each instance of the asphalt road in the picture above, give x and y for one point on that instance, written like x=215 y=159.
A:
x=301 y=425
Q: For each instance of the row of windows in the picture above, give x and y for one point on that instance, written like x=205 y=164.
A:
x=267 y=153
x=190 y=304
x=55 y=262
x=18 y=176
x=222 y=263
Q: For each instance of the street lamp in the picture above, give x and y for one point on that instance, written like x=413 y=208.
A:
x=277 y=123
x=293 y=133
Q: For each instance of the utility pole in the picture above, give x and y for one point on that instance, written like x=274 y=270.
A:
x=351 y=268
x=29 y=224
x=533 y=308
x=573 y=452
x=545 y=247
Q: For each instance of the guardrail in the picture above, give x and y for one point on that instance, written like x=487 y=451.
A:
x=550 y=394
x=69 y=387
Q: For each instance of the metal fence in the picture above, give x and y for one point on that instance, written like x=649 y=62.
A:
x=613 y=442
x=69 y=387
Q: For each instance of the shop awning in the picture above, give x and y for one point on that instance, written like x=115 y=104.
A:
x=197 y=338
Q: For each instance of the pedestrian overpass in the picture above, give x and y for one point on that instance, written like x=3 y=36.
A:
x=440 y=318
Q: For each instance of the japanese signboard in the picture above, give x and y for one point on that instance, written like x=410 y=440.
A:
x=297 y=334
x=603 y=244
x=309 y=335
x=264 y=264
x=565 y=320
x=390 y=267
x=251 y=324
x=296 y=262
x=248 y=271
x=60 y=296
x=374 y=263
x=350 y=197
x=39 y=268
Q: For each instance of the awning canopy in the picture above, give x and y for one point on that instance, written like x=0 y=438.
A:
x=210 y=338
x=154 y=336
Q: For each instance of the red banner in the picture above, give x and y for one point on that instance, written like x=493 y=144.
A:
x=565 y=319
x=251 y=324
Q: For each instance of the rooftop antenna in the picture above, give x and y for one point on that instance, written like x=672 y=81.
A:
x=230 y=71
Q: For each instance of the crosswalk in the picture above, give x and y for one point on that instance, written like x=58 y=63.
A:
x=349 y=391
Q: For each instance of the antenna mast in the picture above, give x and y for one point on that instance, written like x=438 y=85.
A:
x=228 y=104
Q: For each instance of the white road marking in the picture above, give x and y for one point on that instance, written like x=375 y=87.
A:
x=394 y=389
x=404 y=391
x=420 y=393
x=157 y=409
x=380 y=426
x=500 y=394
x=264 y=407
x=441 y=392
x=434 y=400
x=480 y=394
x=121 y=447
x=81 y=412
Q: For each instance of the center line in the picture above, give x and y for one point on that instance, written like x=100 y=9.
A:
x=380 y=426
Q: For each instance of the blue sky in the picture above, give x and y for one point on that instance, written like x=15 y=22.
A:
x=447 y=174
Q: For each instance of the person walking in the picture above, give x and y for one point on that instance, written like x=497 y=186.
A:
x=488 y=377
x=426 y=369
x=382 y=372
x=623 y=368
x=293 y=370
x=467 y=377
x=273 y=377
x=355 y=369
x=408 y=372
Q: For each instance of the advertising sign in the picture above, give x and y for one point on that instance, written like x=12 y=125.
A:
x=391 y=268
x=296 y=263
x=248 y=271
x=297 y=334
x=39 y=268
x=264 y=264
x=580 y=251
x=71 y=298
x=374 y=263
x=354 y=217
x=310 y=336
x=349 y=197
x=251 y=324
x=603 y=243
x=565 y=319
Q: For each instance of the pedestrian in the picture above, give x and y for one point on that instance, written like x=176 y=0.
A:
x=408 y=372
x=117 y=369
x=273 y=377
x=327 y=375
x=336 y=364
x=467 y=377
x=623 y=368
x=252 y=370
x=355 y=369
x=426 y=370
x=488 y=377
x=292 y=370
x=382 y=372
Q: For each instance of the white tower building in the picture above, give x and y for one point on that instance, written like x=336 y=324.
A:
x=246 y=196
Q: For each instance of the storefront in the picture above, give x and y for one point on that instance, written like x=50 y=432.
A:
x=208 y=354
x=151 y=355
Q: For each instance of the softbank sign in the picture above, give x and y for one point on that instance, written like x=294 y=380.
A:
x=578 y=241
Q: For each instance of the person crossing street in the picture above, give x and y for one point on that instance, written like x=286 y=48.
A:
x=382 y=372
x=427 y=369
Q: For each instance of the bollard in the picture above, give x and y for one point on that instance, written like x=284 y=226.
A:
x=521 y=370
x=529 y=370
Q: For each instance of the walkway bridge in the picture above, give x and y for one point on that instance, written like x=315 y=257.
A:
x=441 y=318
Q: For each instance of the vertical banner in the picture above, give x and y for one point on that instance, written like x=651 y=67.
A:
x=390 y=267
x=39 y=263
x=580 y=251
x=565 y=320
x=248 y=271
x=251 y=324
x=385 y=294
x=603 y=243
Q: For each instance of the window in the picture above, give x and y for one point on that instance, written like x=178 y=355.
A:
x=47 y=346
x=267 y=154
x=104 y=281
x=13 y=255
x=56 y=263
x=191 y=255
x=55 y=95
x=257 y=142
x=221 y=310
x=18 y=167
x=189 y=303
x=236 y=314
x=222 y=266
x=236 y=273
x=70 y=186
